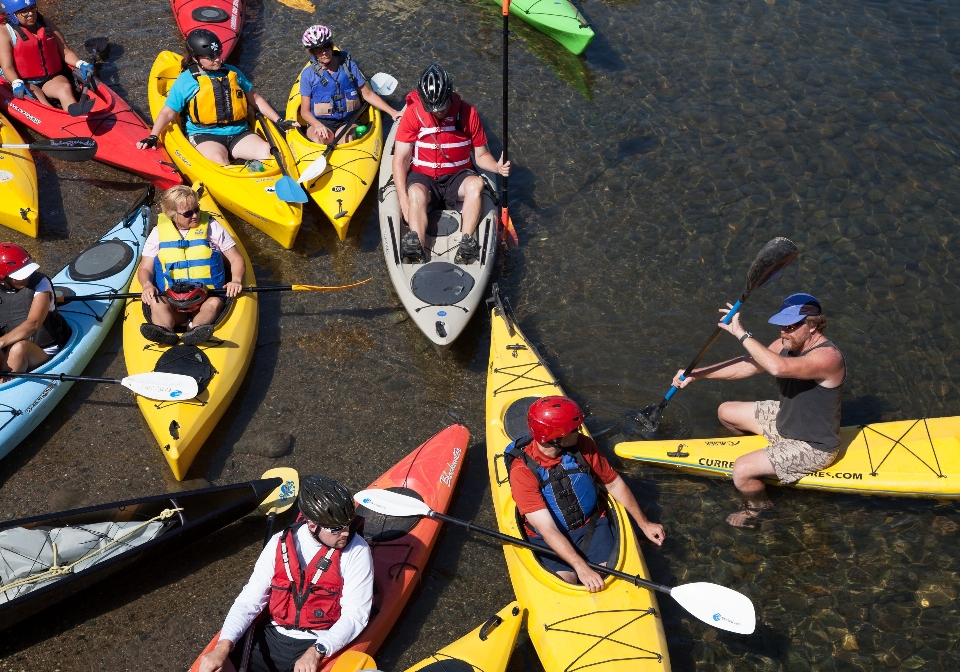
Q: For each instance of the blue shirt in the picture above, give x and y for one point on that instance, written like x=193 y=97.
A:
x=186 y=87
x=310 y=80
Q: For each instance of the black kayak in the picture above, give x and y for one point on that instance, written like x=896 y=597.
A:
x=45 y=559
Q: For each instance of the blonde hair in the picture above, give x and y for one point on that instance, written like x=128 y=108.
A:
x=174 y=197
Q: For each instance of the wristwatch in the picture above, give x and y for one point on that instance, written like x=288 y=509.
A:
x=321 y=649
x=745 y=337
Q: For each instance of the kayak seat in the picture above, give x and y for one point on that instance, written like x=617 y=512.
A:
x=378 y=528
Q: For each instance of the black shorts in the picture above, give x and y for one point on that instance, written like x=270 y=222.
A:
x=228 y=141
x=272 y=651
x=601 y=546
x=334 y=125
x=444 y=189
x=40 y=81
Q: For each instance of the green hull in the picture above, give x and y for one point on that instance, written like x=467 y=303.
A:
x=557 y=18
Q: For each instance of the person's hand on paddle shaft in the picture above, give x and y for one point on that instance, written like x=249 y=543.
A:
x=85 y=69
x=503 y=168
x=150 y=294
x=590 y=579
x=19 y=89
x=308 y=662
x=287 y=124
x=233 y=288
x=682 y=383
x=213 y=660
x=654 y=532
x=734 y=327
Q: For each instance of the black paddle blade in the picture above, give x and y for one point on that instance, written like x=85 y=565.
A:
x=81 y=108
x=649 y=417
x=770 y=262
x=96 y=45
x=73 y=149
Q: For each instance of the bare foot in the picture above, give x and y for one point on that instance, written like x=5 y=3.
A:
x=748 y=516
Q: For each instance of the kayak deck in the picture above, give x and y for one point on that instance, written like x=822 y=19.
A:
x=486 y=648
x=557 y=18
x=905 y=458
x=224 y=18
x=18 y=184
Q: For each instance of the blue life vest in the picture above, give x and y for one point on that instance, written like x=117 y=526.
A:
x=337 y=94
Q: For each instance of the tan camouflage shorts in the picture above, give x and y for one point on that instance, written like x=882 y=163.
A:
x=791 y=459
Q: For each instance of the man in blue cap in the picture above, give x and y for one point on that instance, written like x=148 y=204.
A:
x=803 y=426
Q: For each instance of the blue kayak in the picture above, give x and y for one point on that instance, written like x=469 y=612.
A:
x=107 y=267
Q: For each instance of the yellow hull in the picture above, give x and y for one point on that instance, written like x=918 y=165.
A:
x=182 y=427
x=618 y=628
x=18 y=184
x=250 y=196
x=485 y=649
x=906 y=458
x=351 y=168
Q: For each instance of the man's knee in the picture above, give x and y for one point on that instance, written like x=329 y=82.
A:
x=417 y=195
x=472 y=187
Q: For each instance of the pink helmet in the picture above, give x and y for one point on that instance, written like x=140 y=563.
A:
x=316 y=35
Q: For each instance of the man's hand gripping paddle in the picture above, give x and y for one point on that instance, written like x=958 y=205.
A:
x=716 y=605
x=770 y=262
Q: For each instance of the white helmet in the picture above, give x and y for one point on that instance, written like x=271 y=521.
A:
x=316 y=35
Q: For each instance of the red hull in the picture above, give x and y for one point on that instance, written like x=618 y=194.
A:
x=112 y=123
x=228 y=30
x=431 y=471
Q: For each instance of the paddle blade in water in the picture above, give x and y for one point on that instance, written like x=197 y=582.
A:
x=320 y=288
x=162 y=386
x=95 y=45
x=770 y=262
x=284 y=496
x=390 y=503
x=289 y=191
x=507 y=233
x=314 y=170
x=719 y=606
x=383 y=84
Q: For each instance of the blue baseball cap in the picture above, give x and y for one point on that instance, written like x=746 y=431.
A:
x=795 y=308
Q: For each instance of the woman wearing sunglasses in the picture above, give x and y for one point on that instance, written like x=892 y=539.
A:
x=803 y=426
x=187 y=253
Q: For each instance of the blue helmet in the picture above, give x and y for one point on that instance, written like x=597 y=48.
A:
x=11 y=6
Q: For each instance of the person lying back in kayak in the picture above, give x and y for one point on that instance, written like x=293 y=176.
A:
x=182 y=258
x=558 y=478
x=315 y=611
x=331 y=87
x=34 y=55
x=216 y=98
x=803 y=427
x=437 y=136
x=31 y=329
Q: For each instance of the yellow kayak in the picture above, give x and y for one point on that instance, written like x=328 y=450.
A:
x=618 y=628
x=485 y=649
x=906 y=458
x=18 y=184
x=351 y=167
x=181 y=427
x=249 y=195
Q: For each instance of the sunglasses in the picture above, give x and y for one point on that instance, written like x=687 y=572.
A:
x=322 y=47
x=790 y=328
x=334 y=530
x=190 y=213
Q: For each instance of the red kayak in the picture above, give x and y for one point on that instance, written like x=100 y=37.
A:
x=402 y=546
x=111 y=122
x=223 y=17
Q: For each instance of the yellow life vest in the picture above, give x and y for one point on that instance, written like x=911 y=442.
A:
x=220 y=100
x=187 y=257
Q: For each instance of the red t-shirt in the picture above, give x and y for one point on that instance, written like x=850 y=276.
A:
x=410 y=124
x=523 y=484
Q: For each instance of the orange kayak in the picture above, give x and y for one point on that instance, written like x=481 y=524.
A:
x=400 y=546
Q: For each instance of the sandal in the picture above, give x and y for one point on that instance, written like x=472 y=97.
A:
x=160 y=335
x=198 y=334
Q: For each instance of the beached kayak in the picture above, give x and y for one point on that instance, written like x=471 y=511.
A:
x=351 y=167
x=107 y=267
x=18 y=184
x=112 y=123
x=220 y=364
x=557 y=18
x=224 y=18
x=618 y=628
x=101 y=541
x=486 y=649
x=439 y=295
x=906 y=458
x=248 y=194
x=400 y=546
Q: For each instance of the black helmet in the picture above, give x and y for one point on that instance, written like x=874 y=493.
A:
x=435 y=88
x=203 y=42
x=325 y=502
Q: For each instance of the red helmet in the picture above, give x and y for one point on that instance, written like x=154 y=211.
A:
x=186 y=297
x=12 y=259
x=551 y=418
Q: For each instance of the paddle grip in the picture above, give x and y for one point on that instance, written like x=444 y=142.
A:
x=733 y=311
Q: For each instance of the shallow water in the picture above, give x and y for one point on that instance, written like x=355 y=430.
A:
x=648 y=174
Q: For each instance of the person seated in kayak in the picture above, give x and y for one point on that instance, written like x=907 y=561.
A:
x=558 y=478
x=183 y=257
x=34 y=55
x=803 y=426
x=437 y=137
x=331 y=87
x=216 y=97
x=31 y=329
x=315 y=580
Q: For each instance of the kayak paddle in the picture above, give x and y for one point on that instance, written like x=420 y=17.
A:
x=770 y=262
x=152 y=384
x=507 y=233
x=716 y=605
x=70 y=149
x=96 y=46
x=218 y=292
x=382 y=85
x=286 y=187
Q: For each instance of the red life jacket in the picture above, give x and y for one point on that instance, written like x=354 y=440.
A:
x=37 y=54
x=441 y=148
x=301 y=601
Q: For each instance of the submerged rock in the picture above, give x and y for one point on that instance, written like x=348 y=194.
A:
x=63 y=499
x=271 y=444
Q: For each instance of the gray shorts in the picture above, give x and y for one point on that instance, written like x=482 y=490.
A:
x=792 y=459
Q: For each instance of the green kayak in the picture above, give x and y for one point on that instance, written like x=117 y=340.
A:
x=557 y=18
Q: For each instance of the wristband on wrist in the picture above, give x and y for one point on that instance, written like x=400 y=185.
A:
x=745 y=337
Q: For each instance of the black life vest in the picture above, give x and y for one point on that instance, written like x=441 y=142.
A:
x=15 y=309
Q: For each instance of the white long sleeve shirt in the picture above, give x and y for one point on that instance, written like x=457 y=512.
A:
x=356 y=567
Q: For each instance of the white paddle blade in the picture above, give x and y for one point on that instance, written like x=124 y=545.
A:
x=283 y=497
x=719 y=606
x=383 y=84
x=390 y=503
x=314 y=170
x=162 y=386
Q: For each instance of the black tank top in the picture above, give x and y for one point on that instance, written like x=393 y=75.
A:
x=808 y=411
